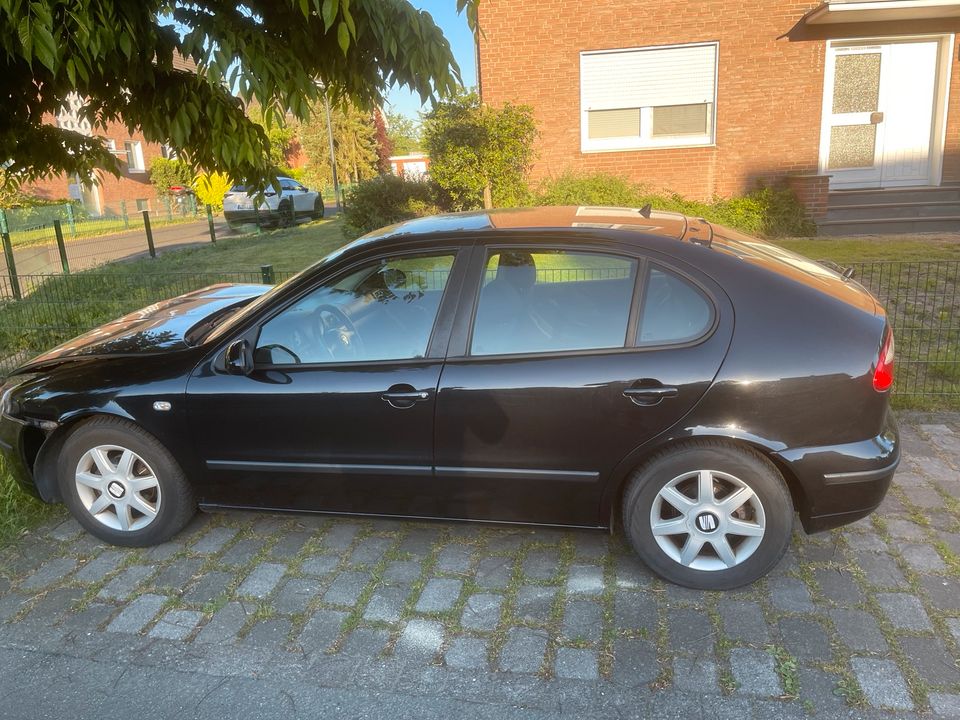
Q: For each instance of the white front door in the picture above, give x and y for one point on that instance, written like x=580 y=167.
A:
x=881 y=103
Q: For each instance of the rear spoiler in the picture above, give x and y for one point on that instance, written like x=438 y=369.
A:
x=845 y=272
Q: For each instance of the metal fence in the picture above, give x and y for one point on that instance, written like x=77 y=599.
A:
x=921 y=298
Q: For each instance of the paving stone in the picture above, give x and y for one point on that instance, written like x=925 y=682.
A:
x=954 y=625
x=405 y=572
x=178 y=574
x=904 y=611
x=225 y=623
x=591 y=545
x=690 y=631
x=865 y=542
x=743 y=621
x=482 y=611
x=10 y=605
x=905 y=530
x=677 y=595
x=923 y=558
x=290 y=544
x=541 y=564
x=535 y=602
x=370 y=550
x=931 y=659
x=925 y=498
x=164 y=551
x=790 y=595
x=262 y=580
x=455 y=559
x=583 y=620
x=467 y=653
x=820 y=688
x=882 y=684
x=439 y=594
x=943 y=592
x=697 y=675
x=419 y=542
x=365 y=642
x=839 y=586
x=54 y=604
x=125 y=583
x=209 y=587
x=952 y=540
x=805 y=640
x=52 y=571
x=322 y=630
x=87 y=621
x=67 y=530
x=242 y=552
x=137 y=614
x=272 y=632
x=101 y=566
x=346 y=587
x=420 y=639
x=754 y=672
x=828 y=552
x=214 y=540
x=858 y=630
x=585 y=580
x=507 y=541
x=631 y=573
x=386 y=603
x=634 y=662
x=523 y=651
x=320 y=564
x=881 y=570
x=268 y=524
x=493 y=573
x=932 y=467
x=577 y=664
x=635 y=612
x=295 y=595
x=945 y=705
x=176 y=624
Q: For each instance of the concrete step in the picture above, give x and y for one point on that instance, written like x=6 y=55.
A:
x=870 y=211
x=895 y=196
x=890 y=225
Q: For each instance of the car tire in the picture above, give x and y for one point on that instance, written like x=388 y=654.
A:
x=285 y=216
x=708 y=515
x=112 y=473
x=318 y=208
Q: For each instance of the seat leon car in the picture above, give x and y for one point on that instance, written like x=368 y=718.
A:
x=567 y=366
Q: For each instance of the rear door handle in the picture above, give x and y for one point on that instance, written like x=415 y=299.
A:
x=650 y=395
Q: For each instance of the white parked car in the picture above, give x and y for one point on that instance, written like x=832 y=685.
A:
x=294 y=202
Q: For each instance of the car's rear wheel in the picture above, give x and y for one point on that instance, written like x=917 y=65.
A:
x=122 y=485
x=318 y=208
x=708 y=515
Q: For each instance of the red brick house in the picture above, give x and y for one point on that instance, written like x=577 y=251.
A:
x=857 y=97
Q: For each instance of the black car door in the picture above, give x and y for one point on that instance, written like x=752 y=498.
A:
x=568 y=359
x=338 y=412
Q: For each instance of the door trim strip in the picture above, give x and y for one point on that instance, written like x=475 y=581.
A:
x=476 y=473
x=321 y=468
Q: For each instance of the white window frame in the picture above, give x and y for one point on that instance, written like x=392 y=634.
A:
x=136 y=149
x=646 y=140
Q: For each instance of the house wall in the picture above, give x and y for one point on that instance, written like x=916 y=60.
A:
x=768 y=101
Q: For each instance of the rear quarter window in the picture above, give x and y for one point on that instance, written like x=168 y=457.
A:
x=674 y=310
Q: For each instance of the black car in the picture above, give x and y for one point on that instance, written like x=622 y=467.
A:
x=566 y=366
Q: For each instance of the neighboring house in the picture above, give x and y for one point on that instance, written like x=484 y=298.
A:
x=412 y=166
x=709 y=97
x=103 y=193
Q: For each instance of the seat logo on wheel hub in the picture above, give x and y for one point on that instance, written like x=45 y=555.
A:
x=707 y=522
x=116 y=490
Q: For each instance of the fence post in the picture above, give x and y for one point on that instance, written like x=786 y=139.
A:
x=12 y=265
x=58 y=230
x=71 y=220
x=4 y=228
x=149 y=231
x=213 y=231
x=123 y=213
x=266 y=273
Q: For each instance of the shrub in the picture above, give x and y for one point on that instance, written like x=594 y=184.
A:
x=385 y=200
x=165 y=173
x=210 y=189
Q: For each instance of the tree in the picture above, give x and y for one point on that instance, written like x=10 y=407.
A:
x=404 y=134
x=354 y=139
x=279 y=135
x=118 y=57
x=478 y=154
x=384 y=146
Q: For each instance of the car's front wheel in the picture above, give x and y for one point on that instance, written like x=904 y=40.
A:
x=122 y=485
x=708 y=515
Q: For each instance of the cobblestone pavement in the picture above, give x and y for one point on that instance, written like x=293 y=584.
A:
x=249 y=616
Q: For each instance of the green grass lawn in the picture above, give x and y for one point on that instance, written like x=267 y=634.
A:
x=864 y=249
x=97 y=227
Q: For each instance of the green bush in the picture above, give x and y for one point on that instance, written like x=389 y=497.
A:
x=385 y=200
x=165 y=173
x=766 y=211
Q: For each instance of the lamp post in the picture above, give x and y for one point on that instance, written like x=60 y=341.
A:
x=333 y=157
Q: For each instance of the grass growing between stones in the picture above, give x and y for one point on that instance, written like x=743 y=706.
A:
x=787 y=670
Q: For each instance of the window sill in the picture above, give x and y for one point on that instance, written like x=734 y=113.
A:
x=640 y=148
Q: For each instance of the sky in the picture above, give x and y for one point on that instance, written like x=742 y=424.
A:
x=461 y=42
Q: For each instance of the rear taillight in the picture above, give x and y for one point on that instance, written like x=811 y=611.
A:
x=883 y=375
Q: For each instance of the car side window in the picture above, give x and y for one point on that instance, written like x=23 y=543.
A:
x=674 y=309
x=536 y=301
x=287 y=184
x=383 y=311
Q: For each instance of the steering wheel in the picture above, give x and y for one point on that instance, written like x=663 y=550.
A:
x=337 y=333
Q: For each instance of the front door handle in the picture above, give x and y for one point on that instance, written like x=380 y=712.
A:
x=650 y=395
x=404 y=396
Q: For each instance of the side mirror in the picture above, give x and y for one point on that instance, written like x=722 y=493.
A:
x=238 y=358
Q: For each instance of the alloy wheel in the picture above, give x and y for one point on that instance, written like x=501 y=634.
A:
x=118 y=488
